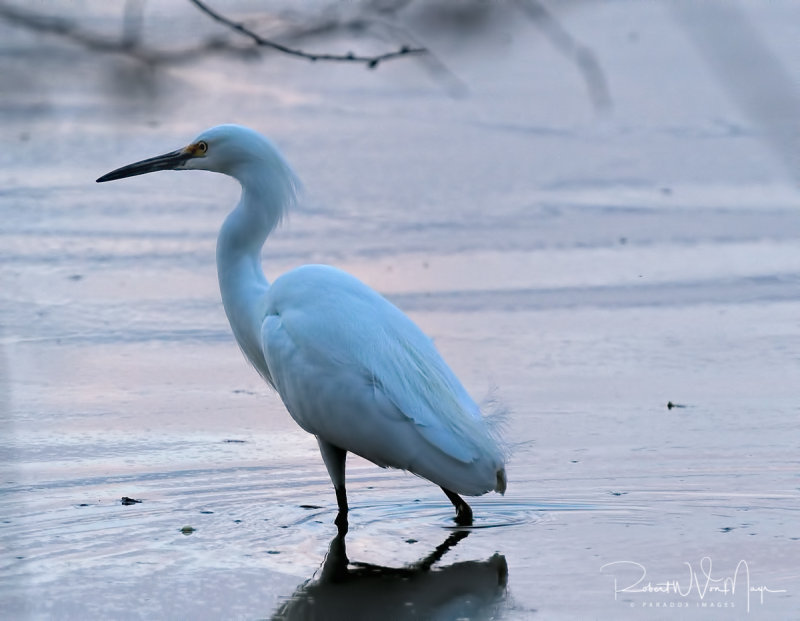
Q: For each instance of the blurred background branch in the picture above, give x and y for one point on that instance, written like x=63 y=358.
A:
x=384 y=20
x=128 y=43
x=750 y=72
x=583 y=57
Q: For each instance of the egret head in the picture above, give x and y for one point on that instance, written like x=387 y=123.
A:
x=229 y=149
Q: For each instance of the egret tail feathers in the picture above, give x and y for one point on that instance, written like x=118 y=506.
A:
x=495 y=415
x=425 y=390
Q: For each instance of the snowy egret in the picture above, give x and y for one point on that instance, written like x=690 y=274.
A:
x=350 y=367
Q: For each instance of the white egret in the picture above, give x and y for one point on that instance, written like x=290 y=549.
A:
x=350 y=367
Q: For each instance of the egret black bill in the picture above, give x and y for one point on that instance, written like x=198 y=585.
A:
x=168 y=161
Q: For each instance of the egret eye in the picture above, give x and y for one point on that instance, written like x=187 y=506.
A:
x=202 y=146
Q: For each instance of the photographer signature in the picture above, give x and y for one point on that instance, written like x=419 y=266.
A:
x=703 y=582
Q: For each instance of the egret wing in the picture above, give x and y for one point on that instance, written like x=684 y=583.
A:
x=334 y=345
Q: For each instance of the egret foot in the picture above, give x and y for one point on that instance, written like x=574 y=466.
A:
x=463 y=511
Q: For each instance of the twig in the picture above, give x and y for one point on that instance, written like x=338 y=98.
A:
x=369 y=61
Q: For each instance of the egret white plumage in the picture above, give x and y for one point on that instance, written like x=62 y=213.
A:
x=350 y=367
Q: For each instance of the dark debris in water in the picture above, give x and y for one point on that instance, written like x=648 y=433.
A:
x=726 y=529
x=188 y=530
x=671 y=405
x=411 y=540
x=232 y=441
x=617 y=493
x=310 y=507
x=126 y=500
x=206 y=512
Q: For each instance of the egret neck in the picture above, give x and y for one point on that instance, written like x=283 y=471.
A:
x=265 y=197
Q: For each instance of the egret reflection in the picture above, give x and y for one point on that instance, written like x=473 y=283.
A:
x=350 y=590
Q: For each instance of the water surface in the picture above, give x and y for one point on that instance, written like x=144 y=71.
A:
x=581 y=270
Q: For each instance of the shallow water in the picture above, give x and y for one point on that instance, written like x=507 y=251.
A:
x=581 y=270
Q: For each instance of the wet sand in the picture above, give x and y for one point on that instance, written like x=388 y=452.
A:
x=581 y=269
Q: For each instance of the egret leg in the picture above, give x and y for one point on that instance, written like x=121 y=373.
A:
x=334 y=458
x=463 y=510
x=341 y=517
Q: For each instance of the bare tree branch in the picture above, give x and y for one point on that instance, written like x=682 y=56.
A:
x=128 y=44
x=369 y=61
x=435 y=67
x=384 y=29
